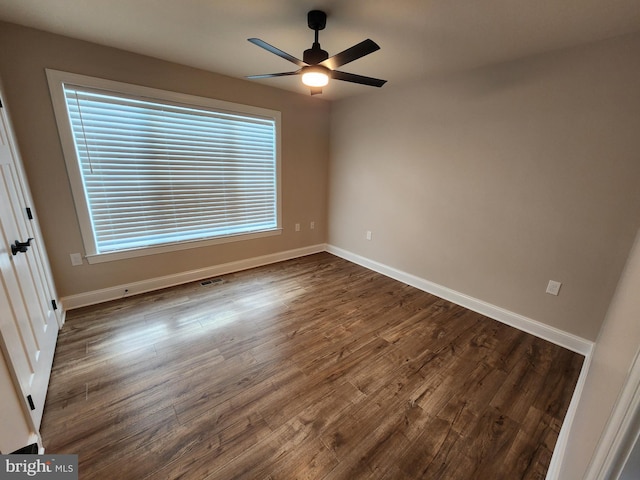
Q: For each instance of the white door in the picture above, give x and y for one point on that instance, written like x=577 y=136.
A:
x=29 y=326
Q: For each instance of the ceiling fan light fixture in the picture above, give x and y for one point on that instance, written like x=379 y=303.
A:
x=315 y=76
x=316 y=67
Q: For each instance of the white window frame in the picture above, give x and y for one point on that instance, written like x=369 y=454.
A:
x=57 y=79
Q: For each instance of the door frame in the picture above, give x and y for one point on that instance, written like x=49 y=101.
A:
x=621 y=432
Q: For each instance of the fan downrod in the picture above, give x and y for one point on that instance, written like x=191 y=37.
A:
x=317 y=20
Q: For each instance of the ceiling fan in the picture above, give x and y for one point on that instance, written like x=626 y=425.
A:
x=316 y=67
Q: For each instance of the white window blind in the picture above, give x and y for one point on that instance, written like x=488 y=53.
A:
x=156 y=172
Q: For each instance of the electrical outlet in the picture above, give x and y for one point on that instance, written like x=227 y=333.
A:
x=553 y=288
x=369 y=235
x=312 y=225
x=76 y=259
x=297 y=227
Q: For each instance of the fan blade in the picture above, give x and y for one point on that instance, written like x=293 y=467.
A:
x=277 y=51
x=351 y=77
x=350 y=54
x=271 y=75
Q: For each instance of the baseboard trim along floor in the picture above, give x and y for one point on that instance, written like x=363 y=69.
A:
x=520 y=322
x=539 y=329
x=112 y=293
x=529 y=325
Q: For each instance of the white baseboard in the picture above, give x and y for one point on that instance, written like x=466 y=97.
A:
x=539 y=329
x=552 y=334
x=112 y=293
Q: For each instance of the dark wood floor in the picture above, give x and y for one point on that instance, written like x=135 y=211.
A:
x=313 y=368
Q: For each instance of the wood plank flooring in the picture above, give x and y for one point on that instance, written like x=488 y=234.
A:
x=313 y=368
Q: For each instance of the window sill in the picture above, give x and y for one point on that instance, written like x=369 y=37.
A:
x=174 y=247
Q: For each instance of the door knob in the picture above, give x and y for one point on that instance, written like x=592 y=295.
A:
x=21 y=246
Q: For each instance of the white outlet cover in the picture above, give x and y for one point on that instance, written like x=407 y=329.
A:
x=553 y=288
x=76 y=259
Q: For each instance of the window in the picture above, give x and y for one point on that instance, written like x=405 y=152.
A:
x=154 y=171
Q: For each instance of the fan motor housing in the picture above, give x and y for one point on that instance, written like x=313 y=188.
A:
x=315 y=55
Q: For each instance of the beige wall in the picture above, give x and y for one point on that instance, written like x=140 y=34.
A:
x=613 y=356
x=25 y=53
x=490 y=183
x=495 y=181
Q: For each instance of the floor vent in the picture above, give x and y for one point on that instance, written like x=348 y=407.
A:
x=211 y=281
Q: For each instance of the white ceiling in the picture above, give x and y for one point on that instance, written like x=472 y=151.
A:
x=418 y=38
